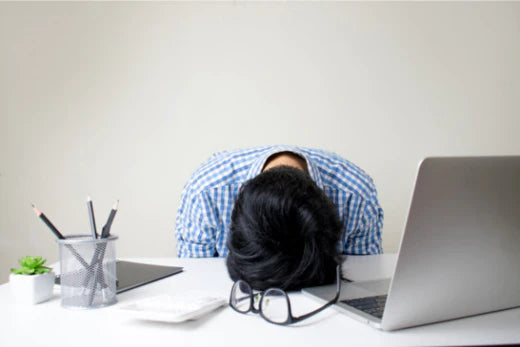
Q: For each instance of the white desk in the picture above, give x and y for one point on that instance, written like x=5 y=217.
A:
x=48 y=324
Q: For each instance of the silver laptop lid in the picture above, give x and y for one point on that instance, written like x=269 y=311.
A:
x=460 y=251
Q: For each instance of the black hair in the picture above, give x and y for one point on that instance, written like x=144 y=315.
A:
x=284 y=232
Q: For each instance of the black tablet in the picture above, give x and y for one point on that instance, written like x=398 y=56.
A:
x=131 y=275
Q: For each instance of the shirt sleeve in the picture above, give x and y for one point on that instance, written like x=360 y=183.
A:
x=196 y=226
x=365 y=238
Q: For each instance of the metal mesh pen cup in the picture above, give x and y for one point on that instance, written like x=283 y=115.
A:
x=87 y=271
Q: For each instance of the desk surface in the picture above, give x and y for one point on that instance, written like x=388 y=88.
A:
x=48 y=324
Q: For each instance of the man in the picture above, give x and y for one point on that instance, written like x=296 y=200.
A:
x=281 y=214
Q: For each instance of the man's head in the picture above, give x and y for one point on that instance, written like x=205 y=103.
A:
x=284 y=232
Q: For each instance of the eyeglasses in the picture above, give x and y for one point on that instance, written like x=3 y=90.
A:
x=273 y=304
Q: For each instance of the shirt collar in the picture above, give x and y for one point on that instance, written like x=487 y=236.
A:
x=312 y=169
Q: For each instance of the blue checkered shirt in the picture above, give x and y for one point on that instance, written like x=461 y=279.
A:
x=204 y=216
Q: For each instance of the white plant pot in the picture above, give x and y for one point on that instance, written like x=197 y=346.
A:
x=32 y=289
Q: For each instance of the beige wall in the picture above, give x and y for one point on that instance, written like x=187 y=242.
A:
x=124 y=100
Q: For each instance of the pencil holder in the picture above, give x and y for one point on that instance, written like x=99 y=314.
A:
x=87 y=271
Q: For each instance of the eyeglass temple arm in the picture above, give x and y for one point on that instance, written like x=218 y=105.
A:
x=333 y=301
x=307 y=315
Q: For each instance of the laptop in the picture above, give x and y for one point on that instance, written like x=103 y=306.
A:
x=459 y=253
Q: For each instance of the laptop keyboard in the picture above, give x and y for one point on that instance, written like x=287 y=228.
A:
x=373 y=305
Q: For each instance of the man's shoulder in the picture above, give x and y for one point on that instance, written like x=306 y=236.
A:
x=340 y=173
x=223 y=168
x=237 y=154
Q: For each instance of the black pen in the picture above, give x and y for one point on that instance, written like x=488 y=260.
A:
x=106 y=229
x=91 y=218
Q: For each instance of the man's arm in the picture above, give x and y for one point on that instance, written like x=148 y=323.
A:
x=196 y=226
x=365 y=238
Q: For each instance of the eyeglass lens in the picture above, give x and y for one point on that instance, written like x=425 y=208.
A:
x=275 y=306
x=241 y=296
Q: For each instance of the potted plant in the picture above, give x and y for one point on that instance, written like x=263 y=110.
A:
x=32 y=282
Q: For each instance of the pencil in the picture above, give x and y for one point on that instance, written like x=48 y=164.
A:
x=91 y=218
x=59 y=235
x=48 y=223
x=106 y=229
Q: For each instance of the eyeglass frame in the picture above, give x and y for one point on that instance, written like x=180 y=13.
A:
x=290 y=318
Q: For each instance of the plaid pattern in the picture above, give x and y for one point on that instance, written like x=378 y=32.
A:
x=204 y=216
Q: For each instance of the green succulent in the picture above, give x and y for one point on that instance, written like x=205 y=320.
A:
x=31 y=266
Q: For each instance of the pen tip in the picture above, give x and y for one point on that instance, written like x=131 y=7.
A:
x=116 y=205
x=32 y=205
x=88 y=198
